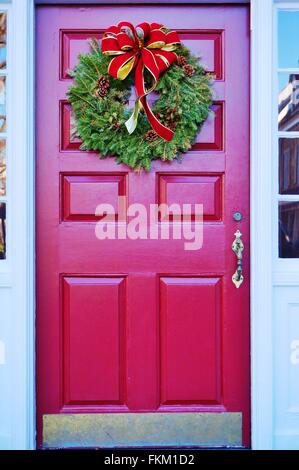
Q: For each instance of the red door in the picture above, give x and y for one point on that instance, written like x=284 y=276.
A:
x=140 y=342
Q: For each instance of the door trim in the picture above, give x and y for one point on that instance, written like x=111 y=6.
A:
x=17 y=292
x=261 y=224
x=261 y=291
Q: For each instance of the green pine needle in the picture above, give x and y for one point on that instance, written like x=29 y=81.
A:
x=101 y=121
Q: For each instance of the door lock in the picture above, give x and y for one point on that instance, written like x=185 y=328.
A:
x=238 y=248
x=237 y=216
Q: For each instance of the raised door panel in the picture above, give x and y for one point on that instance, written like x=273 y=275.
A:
x=93 y=339
x=190 y=335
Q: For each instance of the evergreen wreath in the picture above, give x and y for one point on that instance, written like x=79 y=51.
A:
x=100 y=104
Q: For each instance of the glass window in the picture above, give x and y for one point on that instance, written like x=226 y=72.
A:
x=2 y=40
x=2 y=104
x=3 y=191
x=2 y=230
x=288 y=166
x=2 y=168
x=288 y=132
x=288 y=102
x=288 y=39
x=289 y=229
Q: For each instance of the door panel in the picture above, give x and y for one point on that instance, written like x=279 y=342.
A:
x=142 y=326
x=191 y=341
x=93 y=304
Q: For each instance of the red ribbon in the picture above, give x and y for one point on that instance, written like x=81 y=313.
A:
x=148 y=46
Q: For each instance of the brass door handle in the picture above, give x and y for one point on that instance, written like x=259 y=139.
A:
x=238 y=248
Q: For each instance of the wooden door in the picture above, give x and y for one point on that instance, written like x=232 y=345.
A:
x=141 y=342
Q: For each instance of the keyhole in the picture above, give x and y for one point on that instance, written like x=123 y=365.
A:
x=238 y=216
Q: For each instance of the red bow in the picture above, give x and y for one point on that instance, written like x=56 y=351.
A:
x=147 y=46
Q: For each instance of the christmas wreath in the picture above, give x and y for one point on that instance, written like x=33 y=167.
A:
x=103 y=83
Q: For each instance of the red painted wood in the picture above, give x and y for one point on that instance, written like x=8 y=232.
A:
x=190 y=319
x=73 y=42
x=93 y=304
x=142 y=325
x=208 y=45
x=191 y=189
x=81 y=193
x=211 y=136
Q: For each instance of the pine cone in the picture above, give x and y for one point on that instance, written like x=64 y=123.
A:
x=101 y=92
x=181 y=60
x=103 y=87
x=151 y=136
x=103 y=82
x=189 y=70
x=172 y=126
x=170 y=114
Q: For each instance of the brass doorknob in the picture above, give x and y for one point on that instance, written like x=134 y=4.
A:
x=238 y=248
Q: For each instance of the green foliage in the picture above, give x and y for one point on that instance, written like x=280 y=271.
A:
x=101 y=121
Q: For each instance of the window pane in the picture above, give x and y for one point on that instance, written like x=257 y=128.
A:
x=2 y=104
x=288 y=102
x=288 y=166
x=3 y=49
x=289 y=229
x=2 y=168
x=288 y=39
x=2 y=230
x=3 y=40
x=2 y=141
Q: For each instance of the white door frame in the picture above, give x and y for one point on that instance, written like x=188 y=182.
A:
x=17 y=294
x=261 y=224
x=23 y=222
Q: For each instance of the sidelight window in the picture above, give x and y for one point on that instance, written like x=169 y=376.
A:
x=3 y=191
x=288 y=132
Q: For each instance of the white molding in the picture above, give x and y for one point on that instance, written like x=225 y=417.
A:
x=287 y=4
x=286 y=198
x=22 y=223
x=286 y=279
x=261 y=222
x=294 y=70
x=288 y=134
